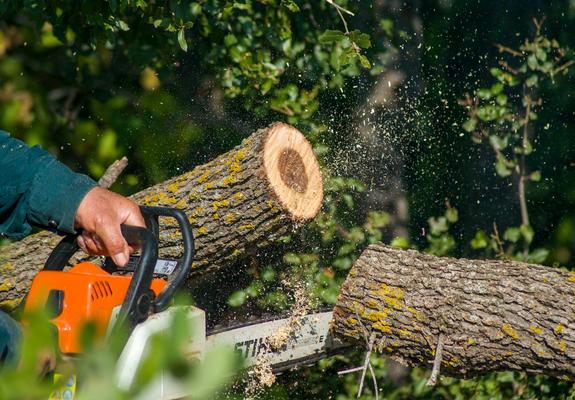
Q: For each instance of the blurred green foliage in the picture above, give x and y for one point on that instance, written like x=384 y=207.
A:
x=172 y=84
x=101 y=79
x=94 y=372
x=503 y=114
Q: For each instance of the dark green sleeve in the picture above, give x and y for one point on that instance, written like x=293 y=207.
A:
x=36 y=189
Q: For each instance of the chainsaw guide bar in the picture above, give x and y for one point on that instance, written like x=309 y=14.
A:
x=306 y=341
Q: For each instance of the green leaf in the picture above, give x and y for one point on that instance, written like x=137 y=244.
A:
x=182 y=40
x=512 y=234
x=342 y=263
x=364 y=61
x=487 y=113
x=498 y=142
x=501 y=167
x=548 y=66
x=254 y=289
x=346 y=248
x=438 y=225
x=237 y=298
x=195 y=9
x=497 y=88
x=284 y=239
x=378 y=219
x=527 y=147
x=440 y=246
x=267 y=86
x=452 y=215
x=348 y=200
x=470 y=124
x=122 y=25
x=495 y=72
x=399 y=241
x=387 y=26
x=541 y=54
x=290 y=5
x=532 y=61
x=361 y=39
x=527 y=233
x=308 y=258
x=331 y=36
x=230 y=40
x=107 y=146
x=479 y=241
x=538 y=256
x=484 y=94
x=501 y=99
x=355 y=235
x=535 y=176
x=268 y=275
x=531 y=81
x=292 y=258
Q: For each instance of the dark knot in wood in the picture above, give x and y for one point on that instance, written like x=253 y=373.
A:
x=292 y=170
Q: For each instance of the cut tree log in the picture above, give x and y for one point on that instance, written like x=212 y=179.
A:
x=237 y=203
x=492 y=314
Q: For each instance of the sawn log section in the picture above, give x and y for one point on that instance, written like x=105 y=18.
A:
x=494 y=315
x=238 y=203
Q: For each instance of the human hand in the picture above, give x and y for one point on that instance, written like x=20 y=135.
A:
x=100 y=215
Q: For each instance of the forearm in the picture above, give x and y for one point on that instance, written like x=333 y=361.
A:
x=36 y=189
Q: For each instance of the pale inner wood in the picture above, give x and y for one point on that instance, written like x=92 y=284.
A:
x=293 y=171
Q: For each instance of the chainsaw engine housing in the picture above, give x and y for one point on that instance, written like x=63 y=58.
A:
x=83 y=294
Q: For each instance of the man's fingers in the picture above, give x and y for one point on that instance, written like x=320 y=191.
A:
x=82 y=244
x=101 y=213
x=135 y=218
x=97 y=243
x=114 y=243
x=87 y=243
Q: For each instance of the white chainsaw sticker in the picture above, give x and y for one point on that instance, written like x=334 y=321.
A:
x=165 y=267
x=309 y=338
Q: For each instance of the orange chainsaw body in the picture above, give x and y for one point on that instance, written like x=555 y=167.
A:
x=85 y=293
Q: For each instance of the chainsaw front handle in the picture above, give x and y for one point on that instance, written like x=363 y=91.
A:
x=139 y=297
x=184 y=264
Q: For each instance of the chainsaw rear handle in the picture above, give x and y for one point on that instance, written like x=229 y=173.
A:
x=68 y=246
x=137 y=302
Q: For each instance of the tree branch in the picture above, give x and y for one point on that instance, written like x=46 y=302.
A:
x=113 y=172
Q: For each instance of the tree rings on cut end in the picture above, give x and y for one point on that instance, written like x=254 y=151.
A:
x=293 y=171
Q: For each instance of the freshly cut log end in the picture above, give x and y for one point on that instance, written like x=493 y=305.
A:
x=244 y=199
x=493 y=315
x=292 y=171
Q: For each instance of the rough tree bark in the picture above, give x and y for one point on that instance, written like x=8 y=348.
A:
x=237 y=203
x=493 y=315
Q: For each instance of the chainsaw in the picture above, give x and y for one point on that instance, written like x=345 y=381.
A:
x=142 y=305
